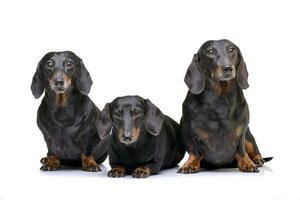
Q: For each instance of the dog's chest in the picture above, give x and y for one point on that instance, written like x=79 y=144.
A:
x=64 y=134
x=219 y=129
x=64 y=116
x=220 y=147
x=222 y=115
x=65 y=143
x=135 y=154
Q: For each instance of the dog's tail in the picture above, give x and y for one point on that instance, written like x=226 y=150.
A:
x=267 y=159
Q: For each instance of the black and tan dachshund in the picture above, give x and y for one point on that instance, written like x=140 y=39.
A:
x=215 y=116
x=143 y=140
x=67 y=117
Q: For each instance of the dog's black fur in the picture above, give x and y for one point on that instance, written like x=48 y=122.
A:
x=215 y=117
x=67 y=116
x=143 y=140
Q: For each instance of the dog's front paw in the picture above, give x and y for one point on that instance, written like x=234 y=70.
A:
x=188 y=169
x=91 y=168
x=191 y=166
x=141 y=172
x=89 y=164
x=50 y=163
x=116 y=172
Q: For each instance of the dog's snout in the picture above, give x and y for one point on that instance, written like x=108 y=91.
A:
x=127 y=139
x=127 y=136
x=59 y=82
x=228 y=69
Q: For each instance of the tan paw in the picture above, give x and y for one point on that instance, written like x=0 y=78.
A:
x=141 y=172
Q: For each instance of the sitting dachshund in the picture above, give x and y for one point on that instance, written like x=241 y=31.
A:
x=143 y=140
x=67 y=116
x=215 y=113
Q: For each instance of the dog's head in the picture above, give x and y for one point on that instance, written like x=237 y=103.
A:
x=59 y=72
x=129 y=116
x=220 y=60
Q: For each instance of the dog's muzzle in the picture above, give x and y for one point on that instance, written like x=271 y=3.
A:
x=228 y=72
x=60 y=82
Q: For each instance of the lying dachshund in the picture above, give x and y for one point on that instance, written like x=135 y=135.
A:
x=215 y=113
x=67 y=116
x=143 y=140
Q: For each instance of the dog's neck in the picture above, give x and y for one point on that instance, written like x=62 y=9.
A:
x=221 y=88
x=62 y=100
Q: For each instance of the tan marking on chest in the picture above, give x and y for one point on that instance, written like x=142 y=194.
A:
x=222 y=88
x=61 y=99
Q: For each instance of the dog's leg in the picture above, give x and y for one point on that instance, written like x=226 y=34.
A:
x=116 y=172
x=245 y=164
x=252 y=149
x=50 y=163
x=88 y=163
x=192 y=165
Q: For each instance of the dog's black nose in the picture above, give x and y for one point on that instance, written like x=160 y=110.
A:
x=127 y=139
x=228 y=70
x=59 y=82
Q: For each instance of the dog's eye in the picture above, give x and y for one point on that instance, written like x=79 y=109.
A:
x=117 y=113
x=136 y=112
x=232 y=50
x=50 y=63
x=70 y=63
x=210 y=52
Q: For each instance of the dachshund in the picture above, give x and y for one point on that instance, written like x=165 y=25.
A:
x=215 y=114
x=143 y=140
x=67 y=117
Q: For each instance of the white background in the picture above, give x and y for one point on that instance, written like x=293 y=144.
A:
x=144 y=47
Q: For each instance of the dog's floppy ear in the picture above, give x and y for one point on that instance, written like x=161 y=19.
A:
x=242 y=74
x=194 y=77
x=154 y=118
x=37 y=85
x=104 y=122
x=83 y=80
